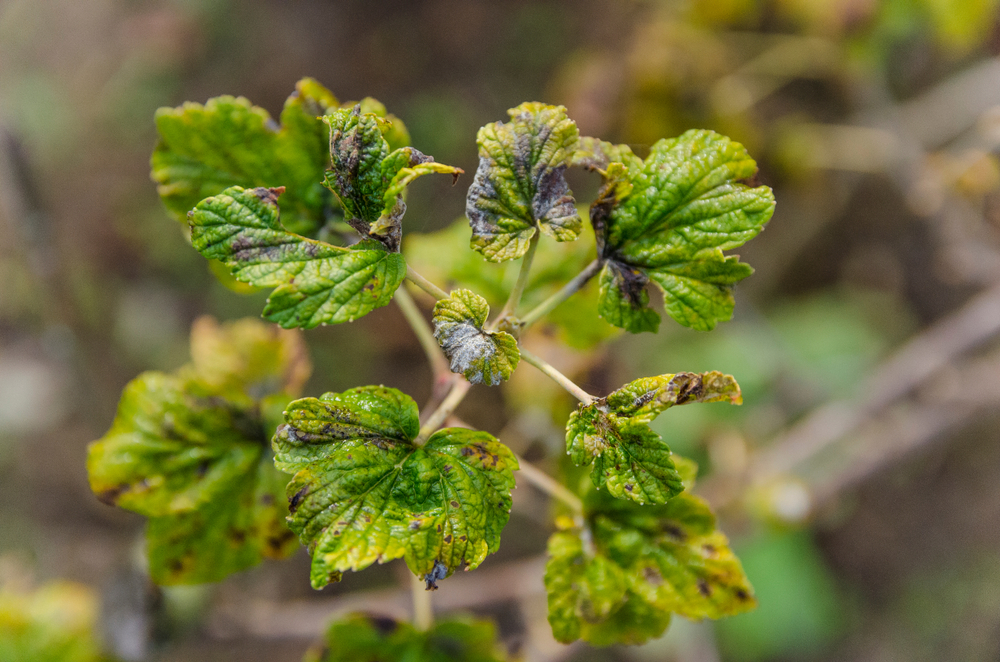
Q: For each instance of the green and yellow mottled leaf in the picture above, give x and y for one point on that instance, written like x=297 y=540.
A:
x=316 y=283
x=55 y=623
x=520 y=185
x=667 y=220
x=190 y=451
x=205 y=149
x=364 y=492
x=368 y=178
x=629 y=458
x=618 y=580
x=484 y=357
x=366 y=638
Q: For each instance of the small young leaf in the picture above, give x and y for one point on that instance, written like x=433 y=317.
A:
x=204 y=150
x=619 y=580
x=368 y=179
x=363 y=492
x=484 y=357
x=628 y=458
x=519 y=186
x=366 y=638
x=317 y=283
x=668 y=219
x=190 y=452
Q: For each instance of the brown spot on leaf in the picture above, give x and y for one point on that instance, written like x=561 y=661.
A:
x=652 y=575
x=293 y=503
x=268 y=195
x=384 y=625
x=110 y=497
x=454 y=504
x=704 y=588
x=673 y=530
x=742 y=595
x=237 y=536
x=710 y=550
x=448 y=538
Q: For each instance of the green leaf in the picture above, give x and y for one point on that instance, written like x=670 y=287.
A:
x=368 y=179
x=520 y=185
x=190 y=451
x=667 y=219
x=205 y=149
x=618 y=580
x=364 y=492
x=55 y=623
x=316 y=283
x=366 y=638
x=630 y=459
x=484 y=357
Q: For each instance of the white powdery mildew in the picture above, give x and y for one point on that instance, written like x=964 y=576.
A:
x=470 y=350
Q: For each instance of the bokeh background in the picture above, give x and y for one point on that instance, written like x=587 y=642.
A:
x=860 y=482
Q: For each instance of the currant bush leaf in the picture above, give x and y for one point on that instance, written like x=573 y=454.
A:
x=368 y=178
x=362 y=637
x=190 y=451
x=364 y=492
x=316 y=283
x=667 y=220
x=619 y=580
x=520 y=185
x=629 y=458
x=205 y=149
x=55 y=623
x=484 y=357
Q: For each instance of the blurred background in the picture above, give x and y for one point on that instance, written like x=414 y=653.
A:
x=860 y=482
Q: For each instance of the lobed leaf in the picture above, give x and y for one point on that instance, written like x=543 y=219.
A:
x=364 y=492
x=316 y=283
x=629 y=458
x=618 y=580
x=667 y=220
x=205 y=149
x=520 y=185
x=368 y=178
x=362 y=637
x=190 y=452
x=484 y=357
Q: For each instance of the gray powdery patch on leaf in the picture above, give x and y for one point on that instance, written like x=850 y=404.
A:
x=484 y=357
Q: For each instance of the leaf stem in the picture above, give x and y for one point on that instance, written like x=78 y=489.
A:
x=568 y=290
x=423 y=611
x=557 y=377
x=520 y=284
x=424 y=284
x=439 y=364
x=549 y=485
x=434 y=421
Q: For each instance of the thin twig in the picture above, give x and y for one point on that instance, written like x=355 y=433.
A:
x=568 y=290
x=522 y=281
x=423 y=610
x=549 y=485
x=557 y=377
x=434 y=421
x=425 y=284
x=437 y=359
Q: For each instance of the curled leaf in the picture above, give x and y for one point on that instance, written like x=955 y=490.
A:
x=484 y=357
x=629 y=458
x=520 y=185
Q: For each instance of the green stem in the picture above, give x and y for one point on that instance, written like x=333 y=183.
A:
x=522 y=282
x=571 y=288
x=424 y=284
x=438 y=361
x=423 y=611
x=444 y=410
x=549 y=485
x=557 y=377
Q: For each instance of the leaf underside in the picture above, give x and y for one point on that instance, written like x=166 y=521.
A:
x=363 y=492
x=484 y=357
